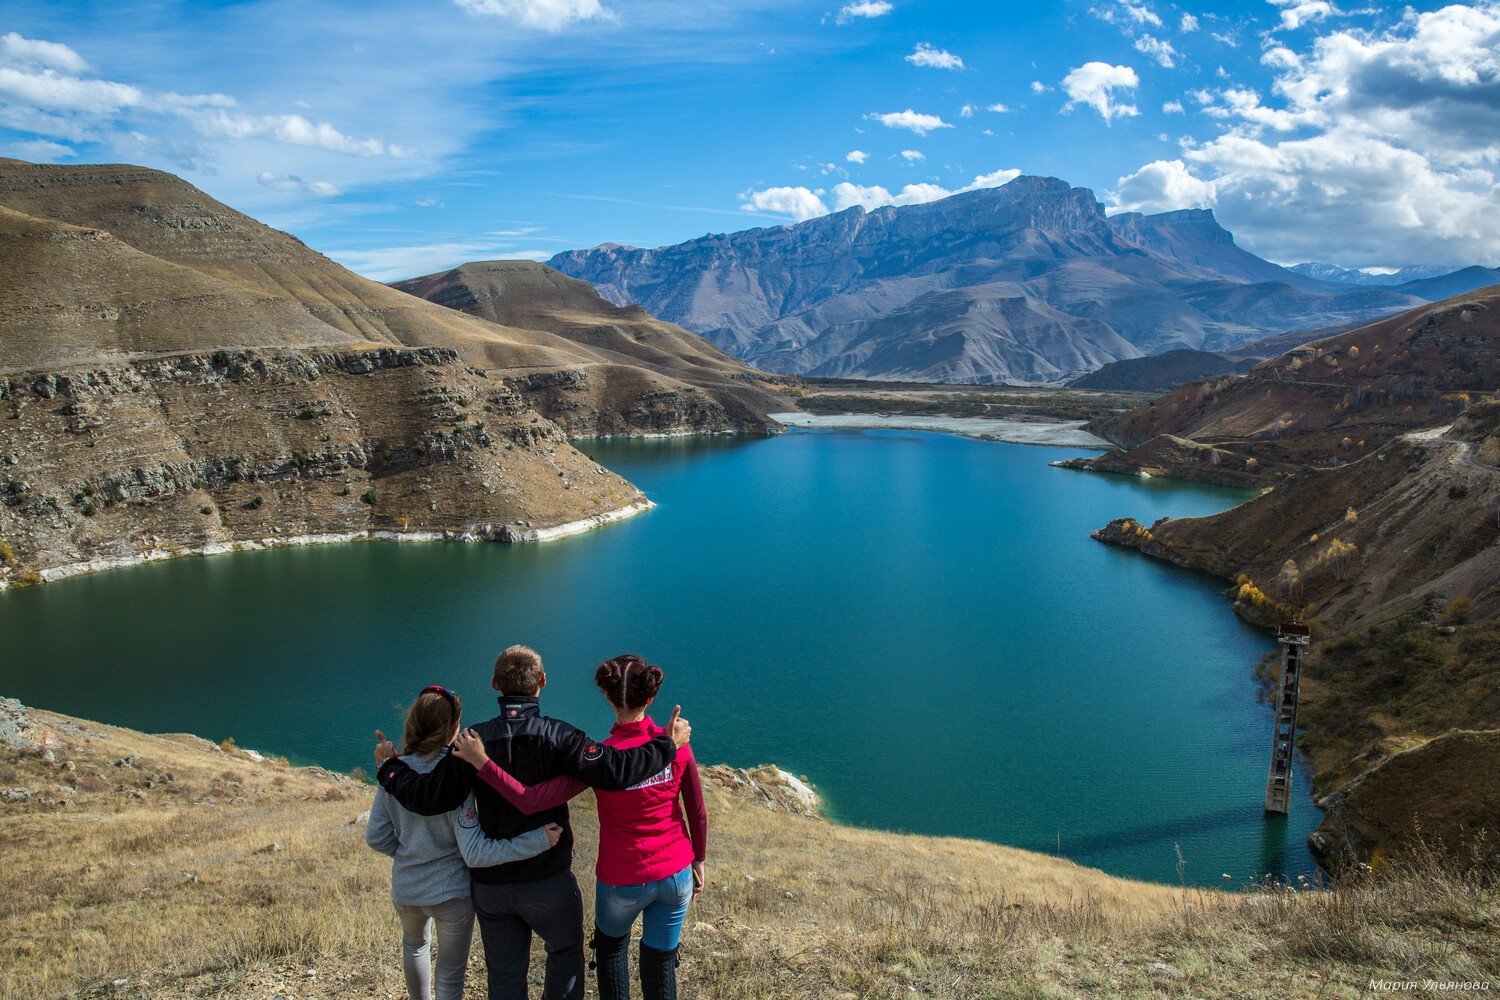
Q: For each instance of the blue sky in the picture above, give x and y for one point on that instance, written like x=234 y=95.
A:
x=404 y=137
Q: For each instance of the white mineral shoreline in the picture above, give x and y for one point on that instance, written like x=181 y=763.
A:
x=1056 y=434
x=512 y=533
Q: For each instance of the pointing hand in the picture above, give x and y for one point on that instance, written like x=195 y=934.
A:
x=384 y=748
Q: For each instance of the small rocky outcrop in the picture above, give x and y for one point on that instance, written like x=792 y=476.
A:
x=769 y=785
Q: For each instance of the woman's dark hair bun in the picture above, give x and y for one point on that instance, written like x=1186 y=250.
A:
x=628 y=681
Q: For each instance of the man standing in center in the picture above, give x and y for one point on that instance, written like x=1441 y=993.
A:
x=540 y=893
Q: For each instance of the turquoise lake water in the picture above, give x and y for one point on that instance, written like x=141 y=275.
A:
x=918 y=623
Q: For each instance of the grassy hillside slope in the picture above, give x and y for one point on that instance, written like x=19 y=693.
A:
x=167 y=867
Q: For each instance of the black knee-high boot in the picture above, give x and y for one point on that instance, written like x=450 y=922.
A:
x=658 y=974
x=612 y=962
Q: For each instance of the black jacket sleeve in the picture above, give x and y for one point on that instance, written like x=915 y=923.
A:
x=440 y=790
x=609 y=769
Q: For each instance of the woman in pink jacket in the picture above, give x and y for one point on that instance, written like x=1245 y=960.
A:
x=652 y=837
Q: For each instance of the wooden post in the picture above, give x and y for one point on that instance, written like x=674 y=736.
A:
x=1294 y=638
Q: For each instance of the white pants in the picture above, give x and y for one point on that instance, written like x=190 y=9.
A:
x=455 y=928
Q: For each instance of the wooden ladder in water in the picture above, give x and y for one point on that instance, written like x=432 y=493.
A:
x=1294 y=638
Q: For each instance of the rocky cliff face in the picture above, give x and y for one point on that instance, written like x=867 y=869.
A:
x=1029 y=282
x=107 y=465
x=664 y=380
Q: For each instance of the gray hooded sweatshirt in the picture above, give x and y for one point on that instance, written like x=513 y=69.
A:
x=432 y=855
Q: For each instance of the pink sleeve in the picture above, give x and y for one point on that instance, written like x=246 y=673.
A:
x=692 y=803
x=530 y=799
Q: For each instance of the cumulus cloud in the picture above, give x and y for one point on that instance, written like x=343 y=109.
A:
x=967 y=111
x=292 y=183
x=998 y=108
x=801 y=203
x=911 y=120
x=297 y=131
x=1374 y=148
x=856 y=156
x=1094 y=84
x=1172 y=108
x=1159 y=49
x=40 y=150
x=16 y=50
x=1163 y=186
x=934 y=58
x=1128 y=13
x=544 y=15
x=1296 y=13
x=1038 y=87
x=1188 y=23
x=44 y=90
x=913 y=155
x=798 y=202
x=865 y=9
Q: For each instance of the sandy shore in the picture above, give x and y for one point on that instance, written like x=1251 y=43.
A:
x=1057 y=434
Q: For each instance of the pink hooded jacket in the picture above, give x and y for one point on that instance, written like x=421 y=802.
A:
x=646 y=832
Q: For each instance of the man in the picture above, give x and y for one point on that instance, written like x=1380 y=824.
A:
x=538 y=894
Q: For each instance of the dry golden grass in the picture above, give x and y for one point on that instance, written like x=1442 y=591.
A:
x=175 y=889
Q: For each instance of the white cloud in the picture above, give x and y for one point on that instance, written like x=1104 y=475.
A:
x=801 y=203
x=913 y=155
x=545 y=15
x=298 y=131
x=1296 y=13
x=40 y=150
x=866 y=9
x=1172 y=108
x=16 y=50
x=1094 y=83
x=1163 y=186
x=1188 y=23
x=1227 y=38
x=1038 y=87
x=292 y=183
x=925 y=55
x=798 y=202
x=967 y=111
x=999 y=109
x=1159 y=49
x=1127 y=13
x=1372 y=148
x=909 y=119
x=856 y=156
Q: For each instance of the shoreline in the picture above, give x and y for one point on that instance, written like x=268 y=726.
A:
x=1052 y=434
x=508 y=533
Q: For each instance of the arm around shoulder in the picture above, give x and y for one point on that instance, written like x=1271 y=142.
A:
x=443 y=789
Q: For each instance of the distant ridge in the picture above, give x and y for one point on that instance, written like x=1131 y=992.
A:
x=1028 y=282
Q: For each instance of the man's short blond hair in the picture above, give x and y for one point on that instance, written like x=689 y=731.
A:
x=518 y=670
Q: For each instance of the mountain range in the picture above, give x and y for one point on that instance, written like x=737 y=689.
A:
x=1432 y=282
x=1031 y=282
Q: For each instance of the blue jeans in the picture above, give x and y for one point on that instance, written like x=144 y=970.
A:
x=664 y=903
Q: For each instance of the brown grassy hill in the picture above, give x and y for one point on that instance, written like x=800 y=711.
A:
x=78 y=295
x=167 y=867
x=1331 y=401
x=654 y=358
x=161 y=215
x=1394 y=557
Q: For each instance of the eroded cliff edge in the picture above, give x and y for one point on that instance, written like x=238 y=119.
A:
x=110 y=464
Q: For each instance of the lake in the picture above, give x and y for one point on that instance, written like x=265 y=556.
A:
x=917 y=622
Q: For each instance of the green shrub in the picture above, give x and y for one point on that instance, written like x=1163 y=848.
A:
x=369 y=496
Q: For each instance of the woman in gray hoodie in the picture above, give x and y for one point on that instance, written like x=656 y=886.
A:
x=432 y=855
